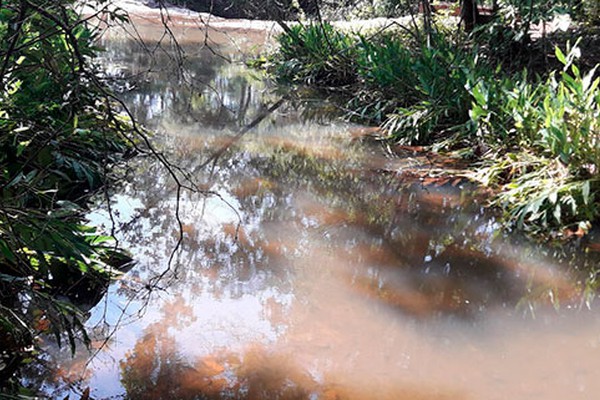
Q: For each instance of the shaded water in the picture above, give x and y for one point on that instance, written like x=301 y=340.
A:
x=317 y=270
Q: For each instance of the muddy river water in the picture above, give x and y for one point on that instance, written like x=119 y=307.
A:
x=315 y=269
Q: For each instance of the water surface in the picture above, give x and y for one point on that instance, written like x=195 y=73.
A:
x=312 y=266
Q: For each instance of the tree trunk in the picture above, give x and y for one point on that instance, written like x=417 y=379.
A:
x=310 y=8
x=469 y=14
x=427 y=15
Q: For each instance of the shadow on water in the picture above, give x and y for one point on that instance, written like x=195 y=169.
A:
x=319 y=271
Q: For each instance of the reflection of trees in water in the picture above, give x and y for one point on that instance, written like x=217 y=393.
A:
x=414 y=248
x=227 y=255
x=254 y=375
x=410 y=247
x=199 y=88
x=153 y=369
x=422 y=250
x=156 y=369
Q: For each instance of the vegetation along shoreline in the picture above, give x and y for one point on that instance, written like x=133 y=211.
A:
x=522 y=110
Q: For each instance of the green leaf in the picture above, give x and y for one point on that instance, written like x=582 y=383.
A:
x=576 y=71
x=557 y=213
x=7 y=251
x=585 y=192
x=560 y=55
x=22 y=146
x=100 y=239
x=6 y=15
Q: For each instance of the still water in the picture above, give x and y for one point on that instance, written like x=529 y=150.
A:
x=311 y=266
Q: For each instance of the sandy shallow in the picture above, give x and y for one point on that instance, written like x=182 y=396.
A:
x=186 y=27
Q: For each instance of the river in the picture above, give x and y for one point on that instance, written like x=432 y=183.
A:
x=312 y=265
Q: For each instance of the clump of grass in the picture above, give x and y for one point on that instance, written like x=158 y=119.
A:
x=315 y=54
x=439 y=100
x=540 y=196
x=415 y=89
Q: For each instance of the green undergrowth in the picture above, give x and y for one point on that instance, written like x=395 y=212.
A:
x=316 y=55
x=532 y=135
x=59 y=141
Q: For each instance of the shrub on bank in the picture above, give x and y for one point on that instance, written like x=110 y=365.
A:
x=558 y=122
x=316 y=54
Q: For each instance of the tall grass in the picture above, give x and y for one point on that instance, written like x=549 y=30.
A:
x=415 y=90
x=315 y=54
x=439 y=102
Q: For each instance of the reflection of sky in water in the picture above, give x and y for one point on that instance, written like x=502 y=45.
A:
x=127 y=206
x=211 y=211
x=318 y=268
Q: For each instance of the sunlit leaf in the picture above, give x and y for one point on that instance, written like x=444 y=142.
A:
x=585 y=192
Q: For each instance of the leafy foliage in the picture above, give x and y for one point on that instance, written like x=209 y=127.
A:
x=560 y=120
x=59 y=138
x=315 y=54
x=417 y=90
x=440 y=73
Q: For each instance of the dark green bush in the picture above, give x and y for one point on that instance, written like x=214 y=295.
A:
x=59 y=139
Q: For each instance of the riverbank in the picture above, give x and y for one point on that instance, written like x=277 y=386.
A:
x=62 y=141
x=187 y=26
x=522 y=112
